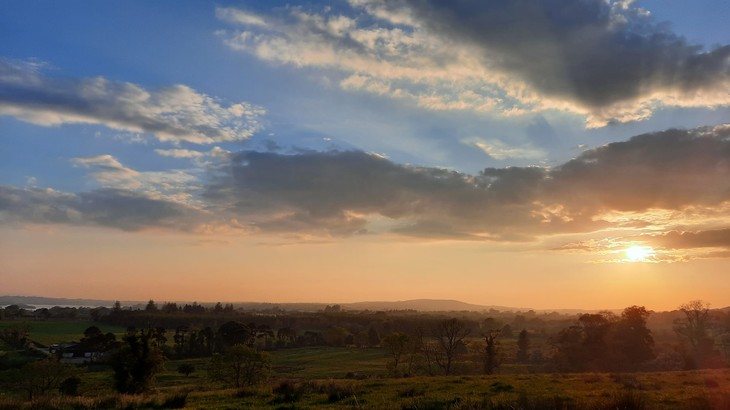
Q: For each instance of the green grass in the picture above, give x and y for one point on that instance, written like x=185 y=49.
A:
x=327 y=362
x=48 y=332
x=319 y=385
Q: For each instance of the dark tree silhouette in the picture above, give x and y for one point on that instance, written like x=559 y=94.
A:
x=695 y=328
x=450 y=335
x=137 y=361
x=396 y=344
x=523 y=347
x=491 y=351
x=41 y=376
x=632 y=340
x=234 y=333
x=240 y=365
x=151 y=306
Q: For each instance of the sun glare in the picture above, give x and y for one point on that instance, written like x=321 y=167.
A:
x=639 y=253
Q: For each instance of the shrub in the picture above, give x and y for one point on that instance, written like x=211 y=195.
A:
x=288 y=392
x=186 y=369
x=70 y=386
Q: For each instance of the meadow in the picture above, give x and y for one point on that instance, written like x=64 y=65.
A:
x=320 y=384
x=47 y=332
x=331 y=377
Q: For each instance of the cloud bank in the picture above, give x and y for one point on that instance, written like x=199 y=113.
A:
x=174 y=114
x=606 y=60
x=673 y=184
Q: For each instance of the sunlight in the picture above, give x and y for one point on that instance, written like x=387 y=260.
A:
x=639 y=253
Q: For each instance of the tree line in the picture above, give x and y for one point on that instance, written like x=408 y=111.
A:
x=416 y=343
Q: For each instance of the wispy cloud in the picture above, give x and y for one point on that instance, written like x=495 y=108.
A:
x=175 y=114
x=173 y=185
x=606 y=60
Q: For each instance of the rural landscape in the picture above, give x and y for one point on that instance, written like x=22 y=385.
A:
x=217 y=356
x=365 y=204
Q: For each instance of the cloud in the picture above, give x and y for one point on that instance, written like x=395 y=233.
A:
x=667 y=189
x=175 y=114
x=174 y=185
x=606 y=60
x=499 y=150
x=113 y=208
x=675 y=171
x=179 y=153
x=714 y=238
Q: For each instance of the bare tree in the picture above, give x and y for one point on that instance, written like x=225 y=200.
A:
x=450 y=336
x=695 y=327
x=491 y=350
x=696 y=322
x=43 y=375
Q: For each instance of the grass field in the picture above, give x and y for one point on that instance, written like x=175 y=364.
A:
x=317 y=377
x=707 y=389
x=48 y=332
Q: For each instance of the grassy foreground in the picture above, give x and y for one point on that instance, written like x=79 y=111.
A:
x=308 y=379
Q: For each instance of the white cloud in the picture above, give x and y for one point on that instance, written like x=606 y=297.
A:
x=175 y=114
x=176 y=185
x=500 y=150
x=179 y=153
x=604 y=60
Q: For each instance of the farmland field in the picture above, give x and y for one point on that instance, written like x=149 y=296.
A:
x=350 y=377
x=48 y=332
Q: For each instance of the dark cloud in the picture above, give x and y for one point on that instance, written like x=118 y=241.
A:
x=115 y=208
x=716 y=238
x=342 y=192
x=595 y=52
x=666 y=170
x=348 y=193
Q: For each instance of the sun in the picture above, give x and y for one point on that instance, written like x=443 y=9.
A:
x=639 y=253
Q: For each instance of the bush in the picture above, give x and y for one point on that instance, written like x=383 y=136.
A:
x=288 y=392
x=70 y=386
x=413 y=391
x=176 y=401
x=186 y=369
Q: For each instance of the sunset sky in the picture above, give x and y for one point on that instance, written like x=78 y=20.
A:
x=526 y=153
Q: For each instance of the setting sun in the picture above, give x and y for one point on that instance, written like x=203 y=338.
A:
x=639 y=253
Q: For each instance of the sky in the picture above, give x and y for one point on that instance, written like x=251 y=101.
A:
x=529 y=153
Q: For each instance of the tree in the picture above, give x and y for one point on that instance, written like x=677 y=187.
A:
x=41 y=376
x=16 y=335
x=218 y=308
x=373 y=337
x=96 y=341
x=137 y=361
x=523 y=347
x=694 y=328
x=396 y=344
x=240 y=365
x=151 y=306
x=632 y=340
x=491 y=361
x=234 y=333
x=570 y=352
x=450 y=335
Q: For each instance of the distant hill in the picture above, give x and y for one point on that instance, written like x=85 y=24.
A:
x=421 y=305
x=424 y=305
x=35 y=301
